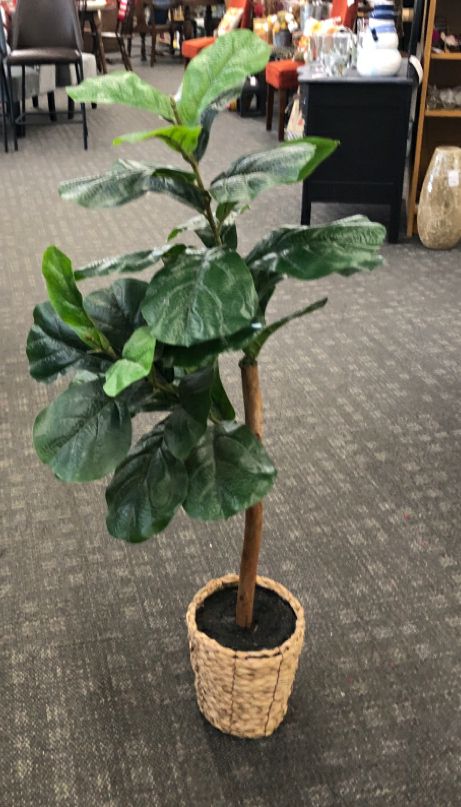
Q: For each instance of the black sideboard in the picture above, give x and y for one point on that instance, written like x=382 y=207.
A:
x=370 y=117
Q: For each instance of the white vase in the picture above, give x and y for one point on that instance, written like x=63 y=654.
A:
x=439 y=208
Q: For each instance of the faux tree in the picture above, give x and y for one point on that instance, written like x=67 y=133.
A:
x=154 y=346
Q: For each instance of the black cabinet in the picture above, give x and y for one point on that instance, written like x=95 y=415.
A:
x=370 y=118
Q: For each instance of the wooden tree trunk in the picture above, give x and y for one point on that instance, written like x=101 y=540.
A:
x=253 y=404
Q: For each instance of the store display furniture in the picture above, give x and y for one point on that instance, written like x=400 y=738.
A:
x=369 y=115
x=46 y=35
x=191 y=47
x=435 y=127
x=282 y=76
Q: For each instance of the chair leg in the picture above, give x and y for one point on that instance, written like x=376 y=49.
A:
x=143 y=48
x=51 y=106
x=79 y=72
x=154 y=46
x=70 y=108
x=3 y=102
x=123 y=51
x=12 y=109
x=35 y=101
x=23 y=100
x=283 y=100
x=269 y=107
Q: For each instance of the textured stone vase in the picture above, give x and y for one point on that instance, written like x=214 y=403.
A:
x=439 y=209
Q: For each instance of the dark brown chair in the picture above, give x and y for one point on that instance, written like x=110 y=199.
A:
x=123 y=31
x=46 y=32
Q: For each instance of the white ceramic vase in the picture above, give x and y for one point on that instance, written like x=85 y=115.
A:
x=439 y=208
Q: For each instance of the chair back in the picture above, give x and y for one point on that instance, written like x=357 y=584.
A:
x=345 y=10
x=3 y=48
x=46 y=24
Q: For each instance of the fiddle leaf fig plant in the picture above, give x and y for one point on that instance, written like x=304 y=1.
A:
x=140 y=346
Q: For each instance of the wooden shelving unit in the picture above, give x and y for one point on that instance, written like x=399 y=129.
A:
x=435 y=127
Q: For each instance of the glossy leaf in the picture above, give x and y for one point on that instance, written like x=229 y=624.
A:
x=209 y=114
x=188 y=420
x=138 y=355
x=117 y=310
x=290 y=162
x=308 y=253
x=131 y=262
x=221 y=407
x=201 y=226
x=253 y=349
x=146 y=490
x=219 y=68
x=66 y=298
x=203 y=353
x=128 y=180
x=201 y=296
x=229 y=470
x=183 y=139
x=54 y=348
x=83 y=434
x=123 y=88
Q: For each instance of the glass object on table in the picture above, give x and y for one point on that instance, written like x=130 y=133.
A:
x=336 y=52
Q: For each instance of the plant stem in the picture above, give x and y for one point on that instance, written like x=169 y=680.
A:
x=252 y=400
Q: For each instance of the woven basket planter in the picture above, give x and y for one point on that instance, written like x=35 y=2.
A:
x=243 y=692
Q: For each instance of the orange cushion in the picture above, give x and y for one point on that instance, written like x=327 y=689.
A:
x=191 y=47
x=282 y=75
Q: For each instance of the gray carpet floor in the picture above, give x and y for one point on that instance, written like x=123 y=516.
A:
x=97 y=707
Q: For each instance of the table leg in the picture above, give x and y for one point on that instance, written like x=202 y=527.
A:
x=394 y=220
x=208 y=21
x=305 y=205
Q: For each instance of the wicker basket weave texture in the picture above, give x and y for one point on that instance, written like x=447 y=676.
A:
x=244 y=693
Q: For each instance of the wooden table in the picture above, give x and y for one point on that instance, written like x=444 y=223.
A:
x=369 y=115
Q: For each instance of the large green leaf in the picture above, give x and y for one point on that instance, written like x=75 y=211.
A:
x=128 y=180
x=308 y=253
x=218 y=69
x=203 y=353
x=221 y=407
x=66 y=298
x=147 y=489
x=117 y=310
x=188 y=420
x=290 y=162
x=254 y=347
x=183 y=139
x=229 y=470
x=83 y=434
x=131 y=262
x=200 y=296
x=123 y=88
x=138 y=355
x=54 y=348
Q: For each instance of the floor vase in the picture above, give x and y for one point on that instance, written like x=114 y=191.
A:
x=439 y=209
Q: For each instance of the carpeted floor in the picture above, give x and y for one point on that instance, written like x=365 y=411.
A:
x=97 y=705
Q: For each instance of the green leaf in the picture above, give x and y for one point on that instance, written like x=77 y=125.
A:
x=188 y=420
x=220 y=68
x=123 y=88
x=66 y=298
x=253 y=349
x=200 y=226
x=146 y=490
x=54 y=348
x=128 y=180
x=117 y=310
x=138 y=355
x=183 y=139
x=209 y=114
x=290 y=162
x=83 y=434
x=308 y=253
x=221 y=407
x=229 y=471
x=132 y=262
x=203 y=353
x=201 y=296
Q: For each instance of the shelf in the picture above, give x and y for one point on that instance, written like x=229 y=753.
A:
x=446 y=57
x=443 y=113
